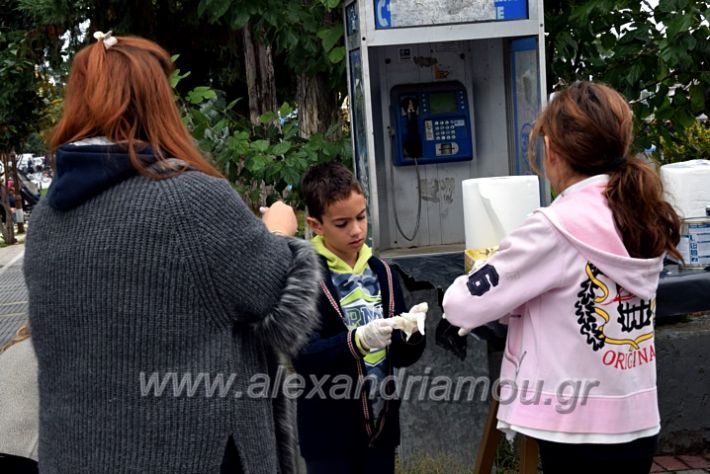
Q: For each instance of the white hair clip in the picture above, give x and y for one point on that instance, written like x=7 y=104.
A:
x=107 y=38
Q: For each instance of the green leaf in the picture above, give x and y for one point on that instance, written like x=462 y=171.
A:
x=679 y=24
x=330 y=36
x=216 y=9
x=274 y=170
x=202 y=6
x=666 y=6
x=566 y=44
x=200 y=94
x=233 y=103
x=290 y=130
x=608 y=41
x=634 y=74
x=697 y=97
x=240 y=20
x=176 y=77
x=680 y=97
x=299 y=160
x=260 y=145
x=671 y=53
x=689 y=41
x=285 y=109
x=281 y=148
x=267 y=117
x=331 y=4
x=683 y=118
x=291 y=176
x=580 y=14
x=337 y=54
x=257 y=163
x=199 y=118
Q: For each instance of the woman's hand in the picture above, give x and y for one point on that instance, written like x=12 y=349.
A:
x=280 y=219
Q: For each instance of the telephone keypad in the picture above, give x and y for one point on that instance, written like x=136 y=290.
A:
x=442 y=122
x=444 y=129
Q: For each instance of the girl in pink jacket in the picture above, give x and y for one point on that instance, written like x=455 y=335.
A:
x=577 y=284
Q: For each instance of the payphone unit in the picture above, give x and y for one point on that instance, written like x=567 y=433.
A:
x=431 y=123
x=440 y=91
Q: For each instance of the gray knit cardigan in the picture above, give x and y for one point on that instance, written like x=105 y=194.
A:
x=171 y=281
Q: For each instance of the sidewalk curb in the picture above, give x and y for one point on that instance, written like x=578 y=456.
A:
x=12 y=261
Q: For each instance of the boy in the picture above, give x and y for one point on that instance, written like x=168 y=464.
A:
x=343 y=429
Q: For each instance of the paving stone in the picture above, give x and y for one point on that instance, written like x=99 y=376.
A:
x=13 y=301
x=671 y=463
x=696 y=462
x=657 y=468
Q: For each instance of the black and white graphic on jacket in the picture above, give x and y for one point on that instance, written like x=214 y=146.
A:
x=481 y=282
x=594 y=304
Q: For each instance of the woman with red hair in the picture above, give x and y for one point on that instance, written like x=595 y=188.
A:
x=155 y=294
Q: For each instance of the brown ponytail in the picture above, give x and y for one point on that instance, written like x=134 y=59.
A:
x=647 y=222
x=590 y=126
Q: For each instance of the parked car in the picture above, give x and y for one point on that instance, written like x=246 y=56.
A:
x=30 y=163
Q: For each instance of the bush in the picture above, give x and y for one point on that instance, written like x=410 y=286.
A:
x=693 y=144
x=263 y=162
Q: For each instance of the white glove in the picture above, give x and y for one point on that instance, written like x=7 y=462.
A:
x=413 y=321
x=376 y=334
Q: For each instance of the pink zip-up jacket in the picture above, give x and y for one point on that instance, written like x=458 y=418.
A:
x=580 y=354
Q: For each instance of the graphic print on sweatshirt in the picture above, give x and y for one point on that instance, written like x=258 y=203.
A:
x=620 y=323
x=361 y=300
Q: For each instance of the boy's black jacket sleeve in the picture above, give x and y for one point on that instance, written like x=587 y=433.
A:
x=328 y=355
x=402 y=352
x=331 y=349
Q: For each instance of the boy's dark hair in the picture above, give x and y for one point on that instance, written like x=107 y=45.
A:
x=325 y=183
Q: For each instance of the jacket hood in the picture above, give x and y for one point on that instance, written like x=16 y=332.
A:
x=84 y=171
x=336 y=264
x=582 y=215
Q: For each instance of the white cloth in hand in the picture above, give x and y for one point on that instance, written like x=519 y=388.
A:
x=376 y=334
x=412 y=321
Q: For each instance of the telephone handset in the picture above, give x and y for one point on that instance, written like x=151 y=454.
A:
x=412 y=142
x=432 y=123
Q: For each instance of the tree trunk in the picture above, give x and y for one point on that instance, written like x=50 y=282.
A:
x=261 y=83
x=18 y=194
x=318 y=108
x=261 y=88
x=7 y=228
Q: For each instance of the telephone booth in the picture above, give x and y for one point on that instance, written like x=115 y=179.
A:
x=440 y=91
